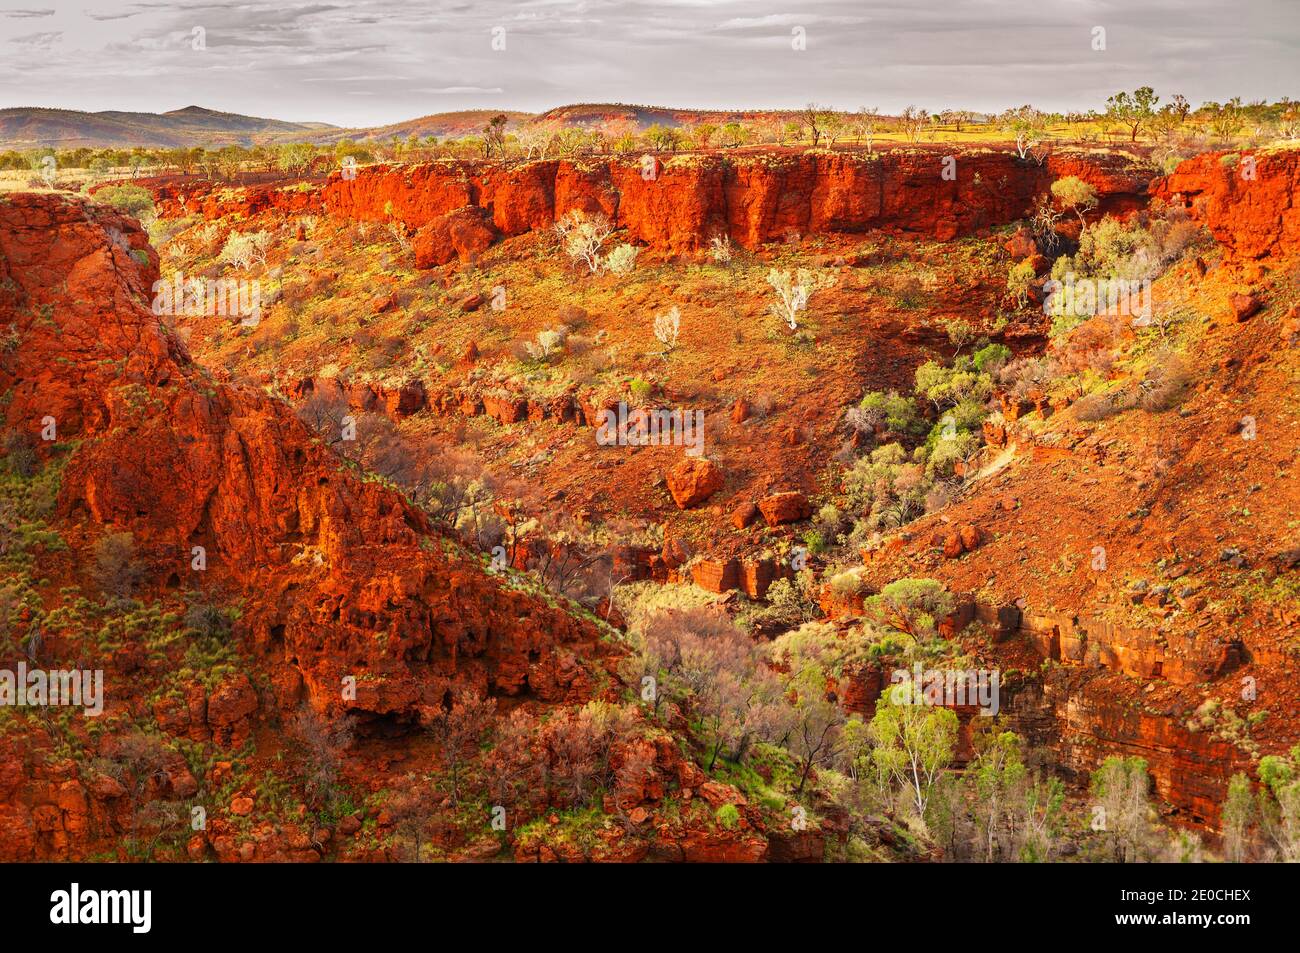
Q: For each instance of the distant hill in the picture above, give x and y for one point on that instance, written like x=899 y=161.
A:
x=594 y=114
x=28 y=127
x=453 y=125
x=470 y=122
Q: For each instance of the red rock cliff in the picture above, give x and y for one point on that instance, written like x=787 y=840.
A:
x=343 y=577
x=1248 y=200
x=678 y=205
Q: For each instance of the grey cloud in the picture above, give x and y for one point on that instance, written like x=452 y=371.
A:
x=314 y=60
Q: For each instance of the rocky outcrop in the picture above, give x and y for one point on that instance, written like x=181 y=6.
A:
x=790 y=506
x=353 y=587
x=463 y=233
x=457 y=208
x=1079 y=721
x=1246 y=200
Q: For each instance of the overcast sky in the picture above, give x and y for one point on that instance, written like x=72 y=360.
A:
x=370 y=62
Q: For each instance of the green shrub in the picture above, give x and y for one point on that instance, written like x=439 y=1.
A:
x=890 y=411
x=991 y=359
x=131 y=199
x=912 y=607
x=728 y=816
x=1019 y=279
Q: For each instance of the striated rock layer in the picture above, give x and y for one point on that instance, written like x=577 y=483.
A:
x=681 y=204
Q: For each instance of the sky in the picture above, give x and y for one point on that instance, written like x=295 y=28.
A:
x=373 y=62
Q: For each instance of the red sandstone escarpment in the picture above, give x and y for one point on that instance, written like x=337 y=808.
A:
x=344 y=578
x=679 y=205
x=1247 y=200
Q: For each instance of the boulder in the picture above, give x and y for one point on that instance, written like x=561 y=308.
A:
x=788 y=507
x=1021 y=244
x=693 y=480
x=743 y=515
x=1244 y=306
x=463 y=233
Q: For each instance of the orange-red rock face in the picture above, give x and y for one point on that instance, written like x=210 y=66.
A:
x=1247 y=201
x=344 y=577
x=682 y=204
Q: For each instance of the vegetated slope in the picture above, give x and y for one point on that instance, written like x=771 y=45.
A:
x=351 y=610
x=1147 y=550
x=772 y=401
x=29 y=127
x=1084 y=644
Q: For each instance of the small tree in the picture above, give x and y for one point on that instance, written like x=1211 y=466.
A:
x=960 y=332
x=318 y=745
x=865 y=125
x=116 y=569
x=1226 y=120
x=1122 y=808
x=1027 y=125
x=1238 y=816
x=513 y=766
x=138 y=762
x=244 y=250
x=814 y=738
x=1075 y=195
x=913 y=742
x=1133 y=110
x=914 y=121
x=814 y=122
x=1180 y=107
x=667 y=326
x=458 y=731
x=578 y=747
x=1279 y=804
x=703 y=134
x=582 y=237
x=411 y=807
x=294 y=158
x=794 y=289
x=912 y=607
x=1020 y=281
x=494 y=135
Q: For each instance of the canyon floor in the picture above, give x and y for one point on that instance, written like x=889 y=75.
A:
x=368 y=578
